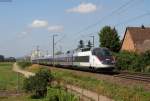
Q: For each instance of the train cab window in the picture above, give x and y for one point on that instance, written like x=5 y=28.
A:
x=101 y=52
x=81 y=59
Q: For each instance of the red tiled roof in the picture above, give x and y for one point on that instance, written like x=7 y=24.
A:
x=140 y=37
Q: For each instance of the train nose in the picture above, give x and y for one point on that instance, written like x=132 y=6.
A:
x=108 y=61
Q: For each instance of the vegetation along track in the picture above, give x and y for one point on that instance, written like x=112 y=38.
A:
x=135 y=76
x=112 y=77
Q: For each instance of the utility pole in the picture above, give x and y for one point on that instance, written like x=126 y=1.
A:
x=54 y=48
x=93 y=39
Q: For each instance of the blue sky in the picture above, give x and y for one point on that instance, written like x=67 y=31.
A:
x=24 y=24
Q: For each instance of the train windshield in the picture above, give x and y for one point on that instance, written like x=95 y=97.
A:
x=101 y=52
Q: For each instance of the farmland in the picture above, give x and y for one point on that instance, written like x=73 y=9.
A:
x=9 y=87
x=8 y=78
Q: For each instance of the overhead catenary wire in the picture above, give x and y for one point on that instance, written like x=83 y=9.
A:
x=110 y=15
x=102 y=19
x=132 y=19
x=129 y=20
x=105 y=17
x=115 y=11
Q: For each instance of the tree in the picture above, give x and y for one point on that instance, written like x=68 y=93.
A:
x=38 y=84
x=1 y=58
x=109 y=38
x=89 y=45
x=58 y=53
x=81 y=44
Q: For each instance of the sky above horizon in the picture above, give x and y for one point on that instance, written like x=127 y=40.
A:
x=24 y=24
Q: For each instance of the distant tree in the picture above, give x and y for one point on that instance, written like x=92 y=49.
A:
x=89 y=45
x=1 y=58
x=58 y=53
x=109 y=38
x=37 y=85
x=10 y=59
x=81 y=44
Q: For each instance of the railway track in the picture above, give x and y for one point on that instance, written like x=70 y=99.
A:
x=145 y=77
x=134 y=76
x=120 y=78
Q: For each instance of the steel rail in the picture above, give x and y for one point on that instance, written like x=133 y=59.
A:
x=134 y=76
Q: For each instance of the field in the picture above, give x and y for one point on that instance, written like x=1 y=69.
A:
x=114 y=91
x=8 y=78
x=9 y=86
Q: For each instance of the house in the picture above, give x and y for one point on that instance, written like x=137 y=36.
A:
x=136 y=39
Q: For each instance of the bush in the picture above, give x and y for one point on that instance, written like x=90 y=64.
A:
x=24 y=64
x=146 y=61
x=37 y=85
x=128 y=61
x=58 y=94
x=133 y=62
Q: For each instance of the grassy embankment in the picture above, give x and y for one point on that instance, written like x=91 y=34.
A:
x=8 y=81
x=116 y=92
x=8 y=78
x=51 y=94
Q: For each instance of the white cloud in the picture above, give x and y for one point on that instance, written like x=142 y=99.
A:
x=56 y=28
x=83 y=8
x=39 y=24
x=24 y=33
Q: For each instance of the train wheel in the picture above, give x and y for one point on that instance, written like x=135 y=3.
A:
x=92 y=69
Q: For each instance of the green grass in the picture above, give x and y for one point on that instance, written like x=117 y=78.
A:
x=24 y=97
x=8 y=81
x=51 y=94
x=61 y=94
x=114 y=91
x=8 y=78
x=24 y=64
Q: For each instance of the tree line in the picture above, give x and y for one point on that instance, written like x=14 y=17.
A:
x=9 y=59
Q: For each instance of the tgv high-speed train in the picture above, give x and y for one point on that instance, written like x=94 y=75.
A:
x=94 y=59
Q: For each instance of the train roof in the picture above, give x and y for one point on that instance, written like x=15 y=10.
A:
x=73 y=52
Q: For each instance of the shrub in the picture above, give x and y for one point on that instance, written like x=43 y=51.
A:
x=37 y=85
x=58 y=94
x=133 y=62
x=128 y=61
x=146 y=61
x=24 y=64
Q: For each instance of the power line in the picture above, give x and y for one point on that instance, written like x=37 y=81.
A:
x=103 y=18
x=128 y=6
x=60 y=39
x=133 y=19
x=107 y=16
